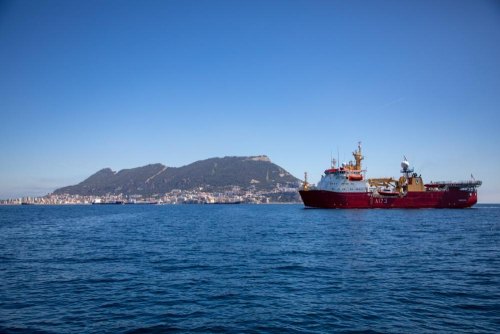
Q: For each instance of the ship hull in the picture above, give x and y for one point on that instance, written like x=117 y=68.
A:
x=452 y=198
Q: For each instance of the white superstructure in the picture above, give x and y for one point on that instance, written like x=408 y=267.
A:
x=348 y=178
x=339 y=180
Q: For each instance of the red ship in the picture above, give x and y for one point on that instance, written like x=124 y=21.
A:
x=345 y=187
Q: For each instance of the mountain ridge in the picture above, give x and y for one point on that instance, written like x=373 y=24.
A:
x=213 y=174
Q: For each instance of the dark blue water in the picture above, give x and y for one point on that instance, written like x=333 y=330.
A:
x=248 y=268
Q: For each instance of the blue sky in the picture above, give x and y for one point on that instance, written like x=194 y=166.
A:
x=91 y=84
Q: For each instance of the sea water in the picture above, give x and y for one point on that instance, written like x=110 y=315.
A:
x=248 y=268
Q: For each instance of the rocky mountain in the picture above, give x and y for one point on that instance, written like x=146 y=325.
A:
x=216 y=174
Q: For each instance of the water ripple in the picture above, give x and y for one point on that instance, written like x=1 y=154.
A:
x=248 y=269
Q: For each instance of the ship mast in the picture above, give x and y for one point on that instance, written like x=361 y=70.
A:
x=305 y=185
x=358 y=157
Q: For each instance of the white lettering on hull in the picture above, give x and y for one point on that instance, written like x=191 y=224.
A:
x=380 y=200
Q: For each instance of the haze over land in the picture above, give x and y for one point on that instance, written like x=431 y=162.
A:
x=120 y=84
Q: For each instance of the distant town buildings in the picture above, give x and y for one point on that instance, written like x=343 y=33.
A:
x=281 y=194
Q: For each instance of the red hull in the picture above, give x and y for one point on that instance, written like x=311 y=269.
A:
x=452 y=198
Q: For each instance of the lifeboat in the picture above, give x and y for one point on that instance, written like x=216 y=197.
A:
x=331 y=170
x=388 y=192
x=355 y=177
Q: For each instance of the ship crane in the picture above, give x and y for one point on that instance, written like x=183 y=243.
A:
x=383 y=182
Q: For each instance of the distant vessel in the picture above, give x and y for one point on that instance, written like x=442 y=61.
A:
x=345 y=187
x=98 y=201
x=228 y=202
x=134 y=202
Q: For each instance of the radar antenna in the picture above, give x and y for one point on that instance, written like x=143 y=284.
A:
x=405 y=167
